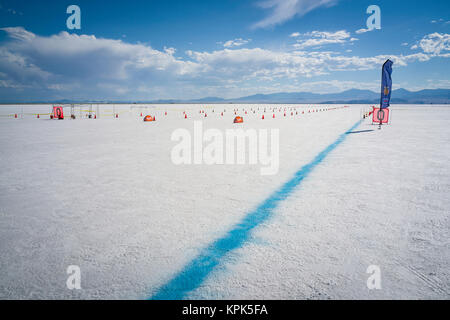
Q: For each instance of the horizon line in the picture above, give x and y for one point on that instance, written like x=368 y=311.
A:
x=212 y=99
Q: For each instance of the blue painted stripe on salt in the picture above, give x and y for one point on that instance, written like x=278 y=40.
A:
x=194 y=273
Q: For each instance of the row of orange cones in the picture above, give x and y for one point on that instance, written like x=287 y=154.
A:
x=292 y=113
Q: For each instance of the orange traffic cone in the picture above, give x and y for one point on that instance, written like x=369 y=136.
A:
x=15 y=115
x=38 y=116
x=185 y=116
x=263 y=117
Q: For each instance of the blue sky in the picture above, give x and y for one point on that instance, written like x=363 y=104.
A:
x=144 y=50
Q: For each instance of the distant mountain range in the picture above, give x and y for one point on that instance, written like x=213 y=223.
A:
x=399 y=96
x=352 y=96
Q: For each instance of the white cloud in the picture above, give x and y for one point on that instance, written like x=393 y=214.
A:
x=19 y=33
x=438 y=84
x=362 y=31
x=319 y=38
x=283 y=10
x=294 y=34
x=86 y=60
x=236 y=43
x=170 y=51
x=435 y=43
x=257 y=62
x=442 y=21
x=11 y=11
x=335 y=86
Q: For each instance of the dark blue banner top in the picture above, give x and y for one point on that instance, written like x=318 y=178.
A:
x=386 y=84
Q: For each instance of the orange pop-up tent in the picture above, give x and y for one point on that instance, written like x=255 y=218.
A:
x=149 y=118
x=238 y=120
